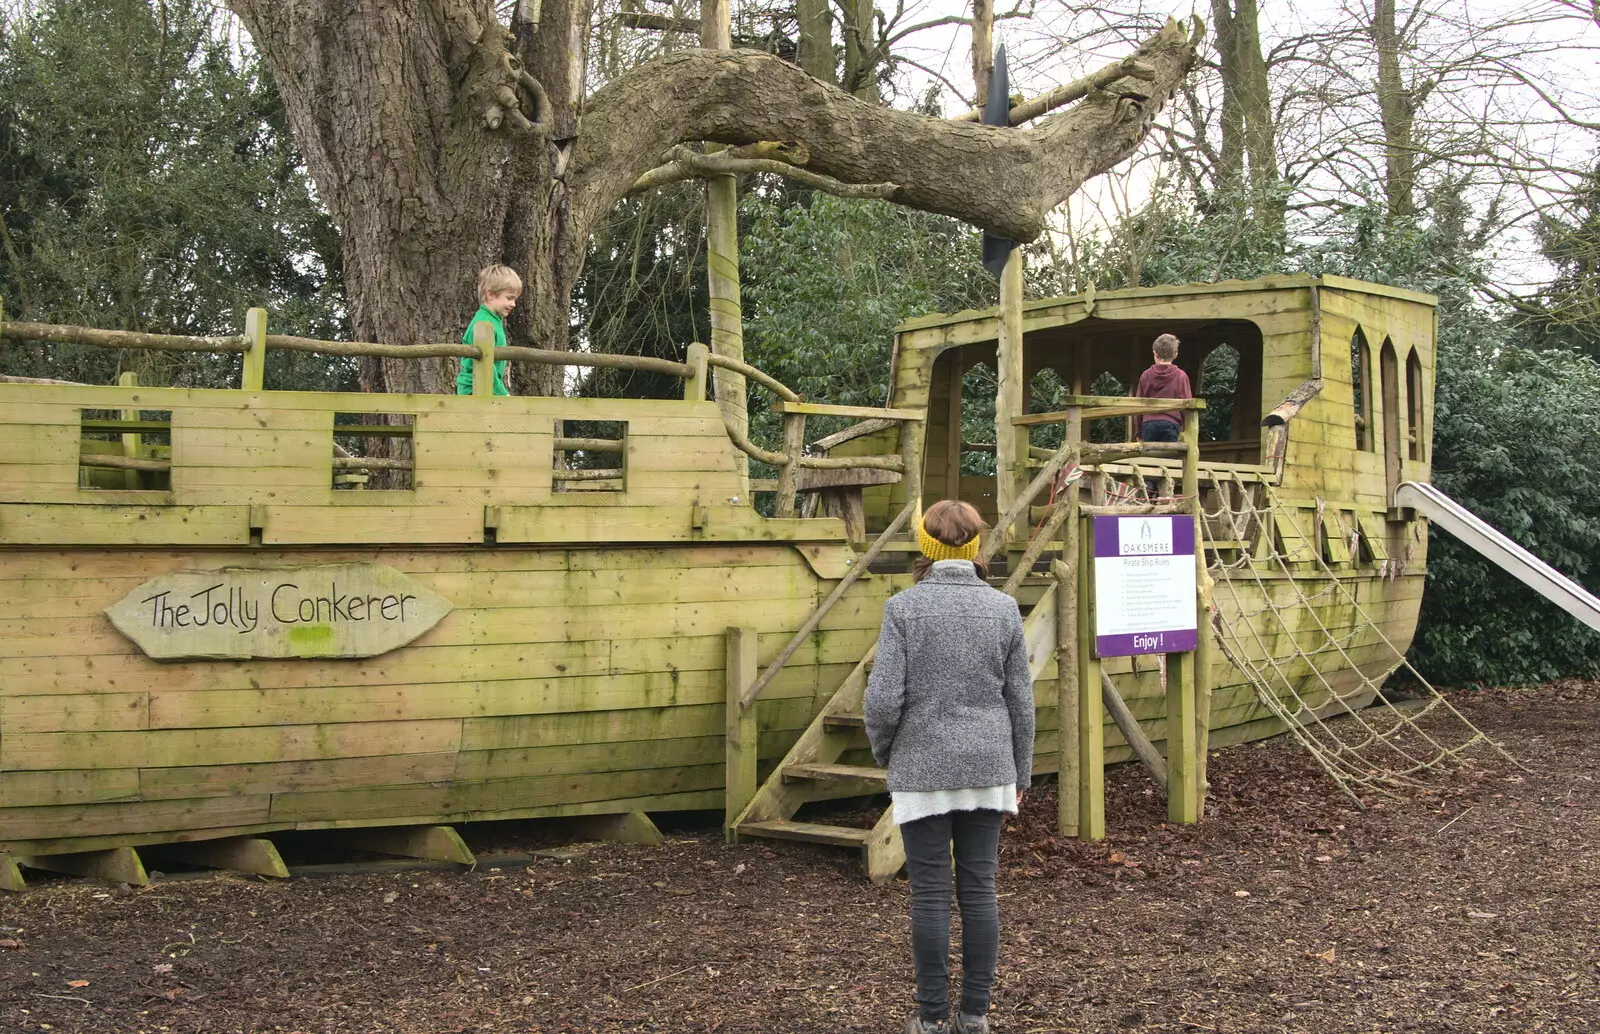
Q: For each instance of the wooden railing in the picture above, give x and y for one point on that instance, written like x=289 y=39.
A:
x=255 y=342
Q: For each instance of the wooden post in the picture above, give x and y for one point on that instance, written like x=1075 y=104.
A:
x=483 y=366
x=1091 y=712
x=131 y=443
x=628 y=827
x=1066 y=575
x=118 y=865
x=1010 y=442
x=694 y=386
x=238 y=854
x=11 y=875
x=1067 y=661
x=911 y=462
x=255 y=358
x=794 y=446
x=742 y=732
x=430 y=843
x=952 y=443
x=1182 y=786
x=1204 y=647
x=722 y=258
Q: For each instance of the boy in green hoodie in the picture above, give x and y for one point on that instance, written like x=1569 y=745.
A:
x=499 y=287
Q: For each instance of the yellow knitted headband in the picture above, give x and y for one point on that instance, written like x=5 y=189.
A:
x=933 y=549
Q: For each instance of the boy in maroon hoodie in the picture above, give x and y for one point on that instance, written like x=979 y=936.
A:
x=1164 y=380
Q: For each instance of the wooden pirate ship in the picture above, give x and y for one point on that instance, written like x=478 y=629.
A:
x=223 y=614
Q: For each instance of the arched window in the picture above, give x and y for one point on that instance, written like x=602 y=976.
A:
x=1361 y=390
x=1389 y=377
x=1416 y=433
x=1219 y=377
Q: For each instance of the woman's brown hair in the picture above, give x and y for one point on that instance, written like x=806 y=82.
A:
x=954 y=523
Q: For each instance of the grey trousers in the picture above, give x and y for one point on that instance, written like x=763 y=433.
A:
x=975 y=836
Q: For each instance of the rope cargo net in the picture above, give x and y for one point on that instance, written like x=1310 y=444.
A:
x=1386 y=748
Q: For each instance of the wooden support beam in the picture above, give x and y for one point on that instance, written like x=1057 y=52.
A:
x=1094 y=406
x=1138 y=510
x=911 y=436
x=117 y=865
x=629 y=827
x=254 y=377
x=1182 y=784
x=1113 y=452
x=132 y=443
x=1091 y=716
x=483 y=366
x=1128 y=725
x=11 y=875
x=794 y=446
x=431 y=843
x=817 y=615
x=694 y=385
x=1205 y=608
x=742 y=732
x=884 y=853
x=860 y=412
x=722 y=261
x=1011 y=442
x=1066 y=575
x=239 y=854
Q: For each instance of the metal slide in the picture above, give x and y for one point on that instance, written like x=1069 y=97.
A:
x=1523 y=565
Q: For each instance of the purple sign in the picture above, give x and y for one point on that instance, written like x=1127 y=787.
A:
x=1144 y=584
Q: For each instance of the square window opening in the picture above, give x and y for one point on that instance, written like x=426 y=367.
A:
x=373 y=452
x=125 y=449
x=590 y=456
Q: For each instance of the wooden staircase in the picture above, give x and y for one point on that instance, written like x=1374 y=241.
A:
x=814 y=770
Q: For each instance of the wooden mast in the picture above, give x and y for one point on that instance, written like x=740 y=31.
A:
x=722 y=258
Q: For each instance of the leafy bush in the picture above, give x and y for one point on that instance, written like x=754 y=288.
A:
x=1517 y=441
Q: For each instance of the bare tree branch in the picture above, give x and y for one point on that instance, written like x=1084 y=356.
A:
x=1004 y=180
x=687 y=163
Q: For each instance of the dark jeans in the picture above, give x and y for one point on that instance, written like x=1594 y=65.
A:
x=976 y=839
x=1158 y=431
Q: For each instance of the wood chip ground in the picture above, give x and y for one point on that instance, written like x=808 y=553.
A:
x=1472 y=907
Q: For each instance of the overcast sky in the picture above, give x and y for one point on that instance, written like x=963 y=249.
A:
x=1559 y=45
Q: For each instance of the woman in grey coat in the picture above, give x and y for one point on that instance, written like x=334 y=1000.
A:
x=949 y=711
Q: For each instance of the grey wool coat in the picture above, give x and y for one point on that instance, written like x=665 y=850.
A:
x=950 y=700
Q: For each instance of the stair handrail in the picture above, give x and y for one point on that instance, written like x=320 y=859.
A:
x=749 y=696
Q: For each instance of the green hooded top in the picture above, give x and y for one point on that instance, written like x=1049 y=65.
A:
x=464 y=377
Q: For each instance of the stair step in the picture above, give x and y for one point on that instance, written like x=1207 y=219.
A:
x=839 y=773
x=838 y=722
x=810 y=832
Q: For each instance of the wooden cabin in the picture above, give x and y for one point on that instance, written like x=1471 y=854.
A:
x=590 y=584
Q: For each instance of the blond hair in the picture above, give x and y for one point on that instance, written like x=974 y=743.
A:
x=1166 y=347
x=497 y=279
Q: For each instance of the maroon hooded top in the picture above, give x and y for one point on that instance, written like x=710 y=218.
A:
x=1162 y=381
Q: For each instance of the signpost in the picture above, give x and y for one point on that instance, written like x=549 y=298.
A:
x=1144 y=585
x=1144 y=601
x=330 y=610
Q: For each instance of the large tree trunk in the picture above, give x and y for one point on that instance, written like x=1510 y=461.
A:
x=381 y=99
x=1249 y=156
x=443 y=141
x=1397 y=110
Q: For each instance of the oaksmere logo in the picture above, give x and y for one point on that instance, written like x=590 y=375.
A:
x=1145 y=536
